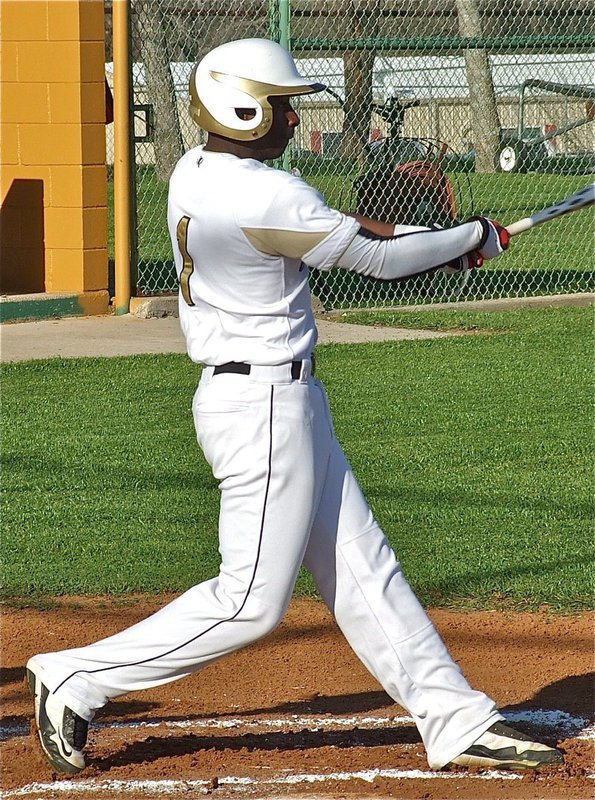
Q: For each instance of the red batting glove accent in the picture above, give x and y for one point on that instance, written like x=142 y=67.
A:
x=463 y=263
x=503 y=234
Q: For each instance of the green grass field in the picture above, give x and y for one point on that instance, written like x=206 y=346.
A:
x=475 y=453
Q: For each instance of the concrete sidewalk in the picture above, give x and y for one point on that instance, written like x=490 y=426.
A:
x=155 y=329
x=74 y=337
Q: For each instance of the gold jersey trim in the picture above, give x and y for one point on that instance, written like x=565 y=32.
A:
x=278 y=242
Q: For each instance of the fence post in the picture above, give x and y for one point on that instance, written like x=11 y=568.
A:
x=284 y=23
x=122 y=170
x=284 y=42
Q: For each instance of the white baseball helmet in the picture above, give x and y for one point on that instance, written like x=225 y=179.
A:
x=242 y=75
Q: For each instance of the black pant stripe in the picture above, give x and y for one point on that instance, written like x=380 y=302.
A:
x=244 y=601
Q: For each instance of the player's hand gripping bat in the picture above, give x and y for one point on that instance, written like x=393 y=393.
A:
x=581 y=199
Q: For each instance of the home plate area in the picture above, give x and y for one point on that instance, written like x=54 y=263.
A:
x=325 y=756
x=298 y=716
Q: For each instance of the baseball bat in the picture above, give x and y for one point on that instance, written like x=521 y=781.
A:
x=581 y=199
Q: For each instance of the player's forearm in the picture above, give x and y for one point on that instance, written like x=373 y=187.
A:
x=374 y=225
x=383 y=229
x=409 y=254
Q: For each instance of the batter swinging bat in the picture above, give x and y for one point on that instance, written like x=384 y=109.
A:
x=581 y=199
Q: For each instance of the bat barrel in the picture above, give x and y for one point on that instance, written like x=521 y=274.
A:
x=581 y=199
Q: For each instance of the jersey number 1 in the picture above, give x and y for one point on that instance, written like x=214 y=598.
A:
x=188 y=266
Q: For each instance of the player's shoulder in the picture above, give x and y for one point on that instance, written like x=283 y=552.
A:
x=281 y=178
x=185 y=163
x=284 y=187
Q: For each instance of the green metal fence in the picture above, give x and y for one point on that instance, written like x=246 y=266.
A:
x=433 y=112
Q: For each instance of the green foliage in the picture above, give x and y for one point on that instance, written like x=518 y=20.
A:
x=474 y=451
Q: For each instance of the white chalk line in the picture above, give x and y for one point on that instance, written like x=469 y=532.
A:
x=170 y=787
x=564 y=723
x=561 y=722
x=178 y=786
x=294 y=721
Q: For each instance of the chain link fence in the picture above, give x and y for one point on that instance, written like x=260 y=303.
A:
x=433 y=113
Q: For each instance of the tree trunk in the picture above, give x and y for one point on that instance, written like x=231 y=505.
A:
x=152 y=36
x=359 y=20
x=358 y=66
x=485 y=123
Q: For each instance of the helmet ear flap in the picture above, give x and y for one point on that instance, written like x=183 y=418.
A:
x=215 y=98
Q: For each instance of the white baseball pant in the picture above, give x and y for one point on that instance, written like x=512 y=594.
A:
x=288 y=496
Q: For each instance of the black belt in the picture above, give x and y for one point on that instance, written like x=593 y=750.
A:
x=244 y=369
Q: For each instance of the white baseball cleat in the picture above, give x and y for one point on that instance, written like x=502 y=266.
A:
x=62 y=733
x=504 y=748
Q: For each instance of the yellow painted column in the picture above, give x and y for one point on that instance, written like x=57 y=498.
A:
x=122 y=176
x=53 y=175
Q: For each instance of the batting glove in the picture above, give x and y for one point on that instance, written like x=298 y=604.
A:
x=495 y=238
x=471 y=260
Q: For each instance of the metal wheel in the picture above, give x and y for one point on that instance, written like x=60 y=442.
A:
x=511 y=157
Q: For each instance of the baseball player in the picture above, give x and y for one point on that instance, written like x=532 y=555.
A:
x=244 y=236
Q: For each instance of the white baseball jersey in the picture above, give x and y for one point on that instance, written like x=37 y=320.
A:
x=243 y=236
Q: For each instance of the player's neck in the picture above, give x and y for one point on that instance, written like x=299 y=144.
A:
x=261 y=150
x=219 y=144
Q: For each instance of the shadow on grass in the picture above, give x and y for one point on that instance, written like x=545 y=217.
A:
x=475 y=499
x=462 y=586
x=96 y=476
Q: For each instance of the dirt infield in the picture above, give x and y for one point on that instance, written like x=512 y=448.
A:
x=297 y=715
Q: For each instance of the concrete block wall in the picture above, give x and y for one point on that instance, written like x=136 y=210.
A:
x=53 y=203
